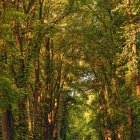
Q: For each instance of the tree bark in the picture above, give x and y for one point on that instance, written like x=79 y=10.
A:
x=7 y=125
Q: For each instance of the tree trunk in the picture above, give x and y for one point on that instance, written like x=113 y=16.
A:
x=101 y=135
x=7 y=125
x=20 y=83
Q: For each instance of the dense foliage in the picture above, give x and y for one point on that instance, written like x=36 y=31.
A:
x=70 y=70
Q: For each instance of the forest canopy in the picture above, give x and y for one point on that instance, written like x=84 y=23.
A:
x=70 y=70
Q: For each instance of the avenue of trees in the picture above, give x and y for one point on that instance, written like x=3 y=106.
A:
x=70 y=70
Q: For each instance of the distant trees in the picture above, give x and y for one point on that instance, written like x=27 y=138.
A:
x=113 y=54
